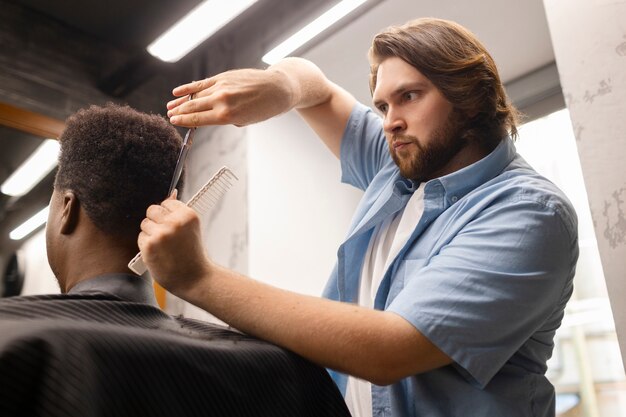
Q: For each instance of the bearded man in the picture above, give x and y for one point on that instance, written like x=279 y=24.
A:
x=459 y=261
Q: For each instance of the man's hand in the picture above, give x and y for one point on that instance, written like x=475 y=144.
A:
x=238 y=97
x=171 y=246
x=243 y=97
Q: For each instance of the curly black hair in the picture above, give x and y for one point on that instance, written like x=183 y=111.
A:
x=118 y=161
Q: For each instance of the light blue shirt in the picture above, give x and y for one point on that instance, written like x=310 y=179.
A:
x=485 y=276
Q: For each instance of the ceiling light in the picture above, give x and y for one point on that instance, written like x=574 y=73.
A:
x=311 y=30
x=37 y=166
x=193 y=29
x=31 y=224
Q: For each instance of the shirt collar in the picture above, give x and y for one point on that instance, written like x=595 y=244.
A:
x=125 y=286
x=461 y=182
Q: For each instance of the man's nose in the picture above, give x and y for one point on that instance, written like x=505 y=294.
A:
x=394 y=122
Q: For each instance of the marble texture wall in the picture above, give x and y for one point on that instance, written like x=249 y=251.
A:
x=589 y=39
x=225 y=226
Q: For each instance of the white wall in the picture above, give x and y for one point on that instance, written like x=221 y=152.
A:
x=589 y=39
x=299 y=211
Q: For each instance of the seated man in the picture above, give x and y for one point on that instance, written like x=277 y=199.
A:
x=103 y=347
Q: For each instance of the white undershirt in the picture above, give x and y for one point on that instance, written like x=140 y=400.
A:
x=387 y=240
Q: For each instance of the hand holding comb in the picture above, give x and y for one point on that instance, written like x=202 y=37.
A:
x=204 y=200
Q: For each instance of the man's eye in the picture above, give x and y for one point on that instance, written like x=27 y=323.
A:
x=383 y=108
x=410 y=95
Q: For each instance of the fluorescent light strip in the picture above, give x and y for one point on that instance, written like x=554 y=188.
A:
x=30 y=225
x=311 y=30
x=37 y=166
x=193 y=29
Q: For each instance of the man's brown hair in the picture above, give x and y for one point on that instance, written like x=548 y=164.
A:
x=455 y=61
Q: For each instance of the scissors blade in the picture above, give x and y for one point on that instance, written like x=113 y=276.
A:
x=184 y=151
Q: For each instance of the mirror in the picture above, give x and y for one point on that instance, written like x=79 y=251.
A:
x=21 y=132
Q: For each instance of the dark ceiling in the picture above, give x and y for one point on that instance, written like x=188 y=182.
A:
x=132 y=23
x=59 y=56
x=127 y=27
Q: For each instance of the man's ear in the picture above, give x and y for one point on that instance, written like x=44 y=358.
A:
x=70 y=213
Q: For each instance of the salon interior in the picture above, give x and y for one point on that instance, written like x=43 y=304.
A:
x=569 y=83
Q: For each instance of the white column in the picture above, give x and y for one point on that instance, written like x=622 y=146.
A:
x=589 y=39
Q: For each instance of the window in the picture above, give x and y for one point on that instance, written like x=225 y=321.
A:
x=586 y=367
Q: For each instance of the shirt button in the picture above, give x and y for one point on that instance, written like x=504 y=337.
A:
x=454 y=198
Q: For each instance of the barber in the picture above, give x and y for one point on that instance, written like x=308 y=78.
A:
x=459 y=262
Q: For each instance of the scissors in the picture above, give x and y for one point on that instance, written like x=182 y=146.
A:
x=187 y=142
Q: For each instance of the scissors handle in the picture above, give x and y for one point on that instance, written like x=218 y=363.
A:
x=187 y=142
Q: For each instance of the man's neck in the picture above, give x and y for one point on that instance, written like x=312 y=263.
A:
x=98 y=258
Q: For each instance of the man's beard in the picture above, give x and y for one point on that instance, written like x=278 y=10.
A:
x=432 y=156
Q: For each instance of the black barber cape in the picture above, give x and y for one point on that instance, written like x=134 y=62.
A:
x=106 y=349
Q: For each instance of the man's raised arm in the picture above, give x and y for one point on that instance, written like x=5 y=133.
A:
x=246 y=96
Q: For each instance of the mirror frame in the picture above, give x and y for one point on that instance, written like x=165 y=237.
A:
x=30 y=122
